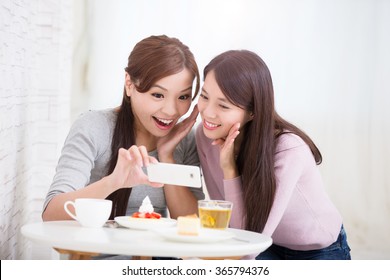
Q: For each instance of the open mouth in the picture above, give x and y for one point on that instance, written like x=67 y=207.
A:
x=210 y=125
x=163 y=122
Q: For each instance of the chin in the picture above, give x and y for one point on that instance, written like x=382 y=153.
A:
x=211 y=134
x=162 y=133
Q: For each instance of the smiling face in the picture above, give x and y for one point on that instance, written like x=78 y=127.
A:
x=217 y=112
x=158 y=110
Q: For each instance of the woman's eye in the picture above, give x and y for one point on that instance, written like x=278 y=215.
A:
x=203 y=96
x=224 y=107
x=158 y=95
x=185 y=97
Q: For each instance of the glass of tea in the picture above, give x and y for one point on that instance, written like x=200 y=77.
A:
x=215 y=214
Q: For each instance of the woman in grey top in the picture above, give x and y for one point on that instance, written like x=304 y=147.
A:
x=105 y=150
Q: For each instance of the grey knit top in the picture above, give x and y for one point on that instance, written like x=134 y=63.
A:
x=87 y=151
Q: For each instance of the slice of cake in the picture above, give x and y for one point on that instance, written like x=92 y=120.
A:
x=188 y=225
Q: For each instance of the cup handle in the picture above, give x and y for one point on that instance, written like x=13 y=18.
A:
x=68 y=211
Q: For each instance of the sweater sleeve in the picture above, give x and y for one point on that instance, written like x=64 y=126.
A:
x=233 y=193
x=81 y=148
x=290 y=160
x=217 y=187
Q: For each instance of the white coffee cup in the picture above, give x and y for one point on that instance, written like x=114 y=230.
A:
x=90 y=212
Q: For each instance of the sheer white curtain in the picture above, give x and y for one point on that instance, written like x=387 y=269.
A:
x=330 y=62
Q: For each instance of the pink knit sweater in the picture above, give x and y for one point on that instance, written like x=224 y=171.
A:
x=302 y=216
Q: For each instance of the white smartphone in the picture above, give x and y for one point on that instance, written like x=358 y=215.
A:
x=174 y=174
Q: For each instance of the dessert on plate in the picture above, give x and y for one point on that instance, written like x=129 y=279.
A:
x=146 y=210
x=188 y=225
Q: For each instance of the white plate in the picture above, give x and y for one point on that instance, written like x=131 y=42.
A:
x=144 y=224
x=205 y=235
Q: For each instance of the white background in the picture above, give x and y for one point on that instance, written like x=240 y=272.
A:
x=329 y=60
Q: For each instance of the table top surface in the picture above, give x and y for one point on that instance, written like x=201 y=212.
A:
x=71 y=235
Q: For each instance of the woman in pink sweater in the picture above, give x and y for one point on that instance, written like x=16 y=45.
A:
x=265 y=165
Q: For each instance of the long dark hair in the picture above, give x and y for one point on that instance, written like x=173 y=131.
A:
x=245 y=80
x=152 y=59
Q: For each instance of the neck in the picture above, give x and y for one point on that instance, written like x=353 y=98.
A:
x=144 y=138
x=149 y=141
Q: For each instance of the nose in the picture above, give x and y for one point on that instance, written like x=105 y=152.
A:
x=170 y=108
x=207 y=110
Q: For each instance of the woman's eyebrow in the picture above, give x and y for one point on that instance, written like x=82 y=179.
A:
x=163 y=88
x=220 y=98
x=187 y=89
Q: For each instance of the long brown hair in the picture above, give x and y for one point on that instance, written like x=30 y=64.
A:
x=152 y=59
x=245 y=80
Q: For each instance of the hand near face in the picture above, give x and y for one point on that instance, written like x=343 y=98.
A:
x=227 y=152
x=167 y=144
x=128 y=170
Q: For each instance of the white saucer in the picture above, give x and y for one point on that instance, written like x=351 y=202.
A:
x=205 y=235
x=144 y=224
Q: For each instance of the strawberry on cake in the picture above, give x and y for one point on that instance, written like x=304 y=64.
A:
x=146 y=210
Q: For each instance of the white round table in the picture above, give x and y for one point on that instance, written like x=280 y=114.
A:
x=70 y=235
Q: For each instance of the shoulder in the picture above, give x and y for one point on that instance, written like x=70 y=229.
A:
x=291 y=148
x=97 y=118
x=93 y=128
x=96 y=121
x=289 y=141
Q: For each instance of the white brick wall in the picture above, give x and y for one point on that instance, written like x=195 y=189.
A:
x=35 y=82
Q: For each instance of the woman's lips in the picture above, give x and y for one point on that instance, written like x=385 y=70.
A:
x=163 y=124
x=210 y=126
